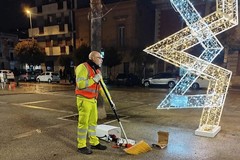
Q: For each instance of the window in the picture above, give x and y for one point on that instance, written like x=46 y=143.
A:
x=39 y=9
x=60 y=41
x=10 y=43
x=60 y=5
x=68 y=41
x=55 y=42
x=61 y=27
x=41 y=30
x=0 y=54
x=59 y=20
x=70 y=48
x=70 y=4
x=63 y=49
x=11 y=56
x=121 y=36
x=50 y=19
x=48 y=43
x=66 y=19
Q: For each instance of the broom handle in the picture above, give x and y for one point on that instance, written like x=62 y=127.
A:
x=114 y=111
x=113 y=108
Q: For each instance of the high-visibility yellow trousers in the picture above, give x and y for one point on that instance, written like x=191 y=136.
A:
x=87 y=121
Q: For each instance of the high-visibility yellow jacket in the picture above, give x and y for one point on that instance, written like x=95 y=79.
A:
x=85 y=85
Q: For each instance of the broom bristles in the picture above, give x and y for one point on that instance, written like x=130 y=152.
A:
x=140 y=147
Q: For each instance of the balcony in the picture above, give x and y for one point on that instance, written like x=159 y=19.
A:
x=57 y=50
x=49 y=30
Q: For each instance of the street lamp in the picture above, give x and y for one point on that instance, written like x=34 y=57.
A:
x=30 y=20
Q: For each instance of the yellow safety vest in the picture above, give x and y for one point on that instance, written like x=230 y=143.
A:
x=89 y=91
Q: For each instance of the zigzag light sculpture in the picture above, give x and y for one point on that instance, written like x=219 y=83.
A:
x=201 y=31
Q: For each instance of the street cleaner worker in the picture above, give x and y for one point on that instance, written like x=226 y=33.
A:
x=87 y=89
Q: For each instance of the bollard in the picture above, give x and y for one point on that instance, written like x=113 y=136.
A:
x=12 y=86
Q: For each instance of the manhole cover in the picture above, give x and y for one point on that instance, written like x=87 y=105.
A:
x=109 y=117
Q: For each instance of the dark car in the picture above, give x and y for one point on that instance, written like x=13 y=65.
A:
x=27 y=76
x=127 y=79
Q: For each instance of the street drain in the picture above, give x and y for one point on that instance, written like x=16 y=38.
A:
x=110 y=117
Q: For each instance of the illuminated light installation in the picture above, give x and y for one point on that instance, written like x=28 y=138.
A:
x=201 y=31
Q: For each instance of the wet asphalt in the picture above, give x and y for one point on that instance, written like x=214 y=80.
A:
x=34 y=130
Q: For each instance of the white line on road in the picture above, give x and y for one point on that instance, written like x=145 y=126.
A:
x=57 y=94
x=36 y=102
x=38 y=131
x=43 y=108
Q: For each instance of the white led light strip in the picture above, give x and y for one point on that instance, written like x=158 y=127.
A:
x=172 y=49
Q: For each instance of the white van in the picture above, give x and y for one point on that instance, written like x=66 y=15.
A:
x=10 y=75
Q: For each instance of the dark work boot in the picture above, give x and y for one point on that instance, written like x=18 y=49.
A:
x=84 y=150
x=99 y=147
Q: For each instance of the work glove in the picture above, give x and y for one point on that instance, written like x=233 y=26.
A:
x=113 y=105
x=97 y=78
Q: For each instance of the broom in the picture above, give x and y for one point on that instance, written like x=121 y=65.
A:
x=140 y=147
x=114 y=111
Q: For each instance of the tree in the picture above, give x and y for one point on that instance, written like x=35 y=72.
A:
x=65 y=60
x=29 y=52
x=141 y=60
x=80 y=55
x=111 y=58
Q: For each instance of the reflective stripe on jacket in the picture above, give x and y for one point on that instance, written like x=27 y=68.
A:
x=84 y=75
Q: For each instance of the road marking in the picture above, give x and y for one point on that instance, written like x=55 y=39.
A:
x=65 y=118
x=27 y=134
x=38 y=131
x=57 y=94
x=43 y=108
x=36 y=102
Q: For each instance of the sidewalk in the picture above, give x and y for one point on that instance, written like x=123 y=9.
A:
x=34 y=87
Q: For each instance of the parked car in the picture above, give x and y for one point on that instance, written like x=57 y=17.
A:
x=200 y=83
x=164 y=78
x=48 y=77
x=9 y=73
x=127 y=79
x=27 y=76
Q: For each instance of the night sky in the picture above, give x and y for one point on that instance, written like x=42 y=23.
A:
x=12 y=15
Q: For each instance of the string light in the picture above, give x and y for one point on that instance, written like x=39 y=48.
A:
x=172 y=49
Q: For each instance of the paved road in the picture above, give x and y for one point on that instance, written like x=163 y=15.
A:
x=33 y=126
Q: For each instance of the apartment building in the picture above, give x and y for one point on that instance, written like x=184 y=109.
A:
x=7 y=56
x=52 y=27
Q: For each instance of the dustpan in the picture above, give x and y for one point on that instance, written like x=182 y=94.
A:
x=140 y=147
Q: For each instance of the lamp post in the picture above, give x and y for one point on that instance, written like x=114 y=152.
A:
x=30 y=20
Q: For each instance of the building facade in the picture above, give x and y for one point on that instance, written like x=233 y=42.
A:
x=52 y=27
x=126 y=25
x=7 y=56
x=61 y=25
